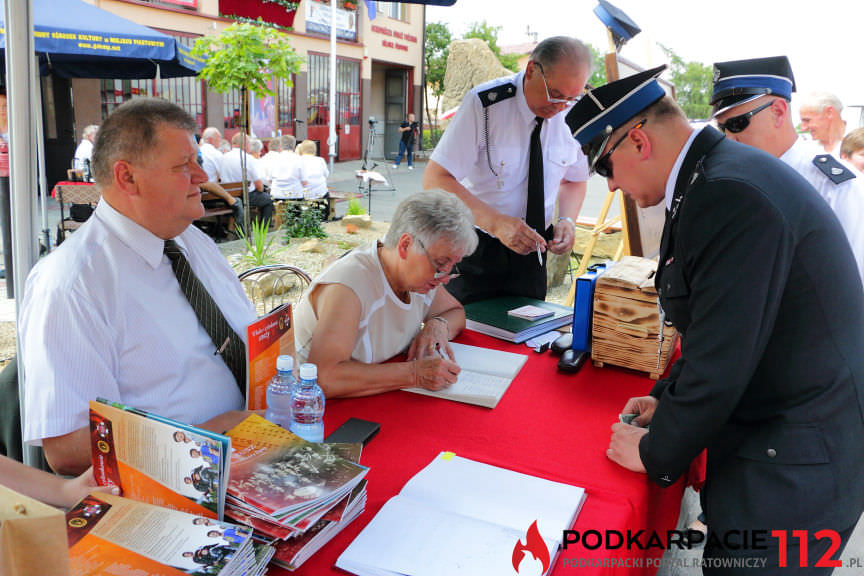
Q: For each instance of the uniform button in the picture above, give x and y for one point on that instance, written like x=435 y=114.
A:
x=823 y=159
x=771 y=453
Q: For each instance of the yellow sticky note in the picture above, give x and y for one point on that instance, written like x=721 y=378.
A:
x=448 y=456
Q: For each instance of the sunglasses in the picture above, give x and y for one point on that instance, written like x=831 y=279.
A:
x=440 y=274
x=739 y=123
x=566 y=101
x=603 y=165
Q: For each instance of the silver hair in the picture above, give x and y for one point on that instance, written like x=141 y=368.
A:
x=90 y=130
x=821 y=100
x=211 y=133
x=552 y=51
x=433 y=215
x=255 y=146
x=289 y=142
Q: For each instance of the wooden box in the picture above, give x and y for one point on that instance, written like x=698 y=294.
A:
x=626 y=320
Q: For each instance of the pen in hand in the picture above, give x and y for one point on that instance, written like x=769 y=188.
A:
x=539 y=257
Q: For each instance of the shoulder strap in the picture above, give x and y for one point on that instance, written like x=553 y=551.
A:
x=497 y=94
x=832 y=168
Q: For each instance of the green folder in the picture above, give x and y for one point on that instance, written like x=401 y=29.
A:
x=490 y=317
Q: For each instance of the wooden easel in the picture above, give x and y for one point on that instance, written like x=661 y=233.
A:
x=628 y=217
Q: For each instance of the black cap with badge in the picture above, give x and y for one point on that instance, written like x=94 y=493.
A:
x=601 y=110
x=739 y=81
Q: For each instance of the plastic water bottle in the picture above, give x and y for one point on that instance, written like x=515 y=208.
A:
x=307 y=406
x=279 y=392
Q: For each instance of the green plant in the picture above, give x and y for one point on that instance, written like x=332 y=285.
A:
x=303 y=222
x=355 y=208
x=260 y=248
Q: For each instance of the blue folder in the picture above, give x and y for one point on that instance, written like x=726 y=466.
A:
x=583 y=307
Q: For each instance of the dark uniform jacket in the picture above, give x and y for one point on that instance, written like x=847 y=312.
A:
x=756 y=274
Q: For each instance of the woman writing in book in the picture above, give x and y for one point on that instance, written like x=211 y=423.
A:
x=384 y=299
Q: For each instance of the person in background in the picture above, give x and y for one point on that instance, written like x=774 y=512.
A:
x=269 y=160
x=409 y=129
x=47 y=487
x=313 y=171
x=852 y=149
x=84 y=151
x=757 y=276
x=751 y=105
x=368 y=306
x=104 y=315
x=286 y=184
x=821 y=117
x=210 y=160
x=231 y=171
x=255 y=148
x=485 y=159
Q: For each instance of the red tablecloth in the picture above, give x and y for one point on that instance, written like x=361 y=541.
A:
x=548 y=424
x=68 y=183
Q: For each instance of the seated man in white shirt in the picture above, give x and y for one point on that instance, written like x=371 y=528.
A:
x=230 y=170
x=84 y=151
x=104 y=314
x=285 y=183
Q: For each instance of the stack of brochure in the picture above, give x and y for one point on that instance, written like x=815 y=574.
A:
x=297 y=495
x=113 y=535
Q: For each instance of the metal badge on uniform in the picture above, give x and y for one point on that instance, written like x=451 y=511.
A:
x=669 y=261
x=500 y=181
x=833 y=169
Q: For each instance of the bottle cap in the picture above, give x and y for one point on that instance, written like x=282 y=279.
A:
x=285 y=363
x=308 y=371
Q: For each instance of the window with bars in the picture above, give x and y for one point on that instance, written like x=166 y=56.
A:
x=188 y=93
x=347 y=90
x=395 y=10
x=285 y=104
x=232 y=103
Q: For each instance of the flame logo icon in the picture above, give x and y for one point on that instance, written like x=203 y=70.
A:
x=534 y=545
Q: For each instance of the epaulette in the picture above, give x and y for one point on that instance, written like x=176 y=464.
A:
x=833 y=169
x=497 y=94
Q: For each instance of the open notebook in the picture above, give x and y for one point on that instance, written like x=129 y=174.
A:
x=461 y=517
x=486 y=374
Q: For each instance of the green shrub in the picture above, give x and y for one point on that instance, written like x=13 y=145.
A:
x=303 y=221
x=260 y=249
x=355 y=208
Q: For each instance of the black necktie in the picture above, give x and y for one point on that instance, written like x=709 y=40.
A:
x=535 y=210
x=227 y=342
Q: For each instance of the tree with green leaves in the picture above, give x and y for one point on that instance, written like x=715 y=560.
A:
x=693 y=84
x=489 y=34
x=598 y=63
x=435 y=54
x=245 y=57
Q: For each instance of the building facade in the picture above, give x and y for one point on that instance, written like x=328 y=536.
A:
x=378 y=76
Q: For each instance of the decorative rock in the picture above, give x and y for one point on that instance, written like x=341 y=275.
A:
x=470 y=63
x=359 y=220
x=313 y=245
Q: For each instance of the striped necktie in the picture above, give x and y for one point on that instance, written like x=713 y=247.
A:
x=535 y=210
x=227 y=342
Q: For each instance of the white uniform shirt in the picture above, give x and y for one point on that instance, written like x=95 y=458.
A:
x=103 y=315
x=313 y=171
x=285 y=181
x=230 y=169
x=211 y=161
x=846 y=199
x=387 y=324
x=267 y=164
x=462 y=151
x=83 y=152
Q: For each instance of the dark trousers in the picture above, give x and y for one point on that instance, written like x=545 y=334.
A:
x=493 y=270
x=406 y=147
x=264 y=203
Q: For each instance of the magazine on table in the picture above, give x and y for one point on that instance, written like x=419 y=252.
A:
x=267 y=338
x=158 y=460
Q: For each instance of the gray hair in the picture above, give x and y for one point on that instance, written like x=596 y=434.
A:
x=211 y=133
x=821 y=100
x=274 y=144
x=130 y=133
x=90 y=130
x=432 y=215
x=289 y=142
x=552 y=51
x=255 y=146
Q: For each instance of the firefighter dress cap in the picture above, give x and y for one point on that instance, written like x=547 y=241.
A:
x=739 y=81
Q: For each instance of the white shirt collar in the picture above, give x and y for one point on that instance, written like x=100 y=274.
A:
x=522 y=103
x=676 y=168
x=140 y=240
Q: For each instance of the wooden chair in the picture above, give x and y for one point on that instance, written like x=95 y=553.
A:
x=69 y=194
x=273 y=285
